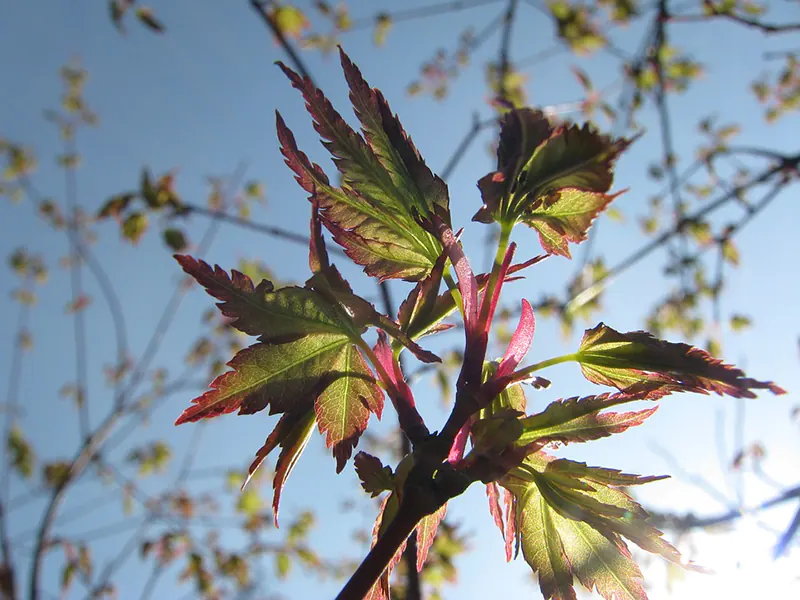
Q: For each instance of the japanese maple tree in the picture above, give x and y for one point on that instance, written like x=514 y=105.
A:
x=312 y=364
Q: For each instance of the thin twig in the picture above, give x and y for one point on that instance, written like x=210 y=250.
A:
x=76 y=284
x=421 y=12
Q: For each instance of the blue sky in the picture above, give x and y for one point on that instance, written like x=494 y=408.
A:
x=202 y=98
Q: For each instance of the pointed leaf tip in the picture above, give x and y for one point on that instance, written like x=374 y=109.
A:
x=625 y=360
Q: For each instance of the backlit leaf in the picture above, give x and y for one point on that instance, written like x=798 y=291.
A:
x=115 y=205
x=553 y=179
x=292 y=447
x=290 y=20
x=273 y=315
x=134 y=226
x=582 y=419
x=386 y=186
x=175 y=239
x=21 y=454
x=343 y=408
x=426 y=533
x=383 y=23
x=622 y=360
x=148 y=19
x=375 y=478
x=571 y=520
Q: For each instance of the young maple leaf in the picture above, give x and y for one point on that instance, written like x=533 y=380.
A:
x=386 y=186
x=552 y=179
x=307 y=360
x=569 y=520
x=636 y=358
x=582 y=419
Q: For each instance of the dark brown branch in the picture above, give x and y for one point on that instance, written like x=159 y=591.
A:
x=8 y=585
x=413 y=585
x=370 y=570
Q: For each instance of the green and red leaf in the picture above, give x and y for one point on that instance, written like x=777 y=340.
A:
x=582 y=419
x=636 y=358
x=570 y=524
x=385 y=188
x=273 y=315
x=375 y=478
x=553 y=179
x=343 y=408
x=426 y=533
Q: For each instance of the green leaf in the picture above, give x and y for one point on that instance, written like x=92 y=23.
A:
x=115 y=205
x=740 y=322
x=273 y=315
x=570 y=522
x=386 y=186
x=426 y=533
x=21 y=454
x=343 y=408
x=283 y=564
x=553 y=179
x=56 y=474
x=375 y=478
x=134 y=226
x=635 y=359
x=582 y=419
x=565 y=216
x=290 y=20
x=175 y=239
x=117 y=10
x=148 y=19
x=383 y=23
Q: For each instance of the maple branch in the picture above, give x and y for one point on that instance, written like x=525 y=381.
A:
x=668 y=147
x=579 y=298
x=413 y=585
x=7 y=583
x=12 y=400
x=381 y=554
x=76 y=284
x=461 y=150
x=82 y=459
x=101 y=277
x=713 y=12
x=422 y=12
x=269 y=230
x=689 y=521
x=505 y=45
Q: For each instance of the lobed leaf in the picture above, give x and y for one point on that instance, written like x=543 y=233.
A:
x=426 y=533
x=375 y=478
x=570 y=523
x=553 y=179
x=582 y=419
x=343 y=408
x=623 y=360
x=423 y=192
x=273 y=315
x=385 y=187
